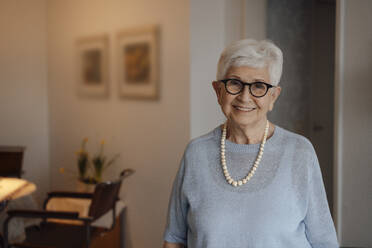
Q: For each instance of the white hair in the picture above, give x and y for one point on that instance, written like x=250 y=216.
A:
x=253 y=53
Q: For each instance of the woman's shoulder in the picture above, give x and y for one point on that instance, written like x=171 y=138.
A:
x=298 y=141
x=203 y=142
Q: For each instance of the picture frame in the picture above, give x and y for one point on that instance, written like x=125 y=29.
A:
x=92 y=66
x=138 y=63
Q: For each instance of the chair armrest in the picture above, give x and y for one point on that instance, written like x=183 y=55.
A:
x=126 y=173
x=43 y=214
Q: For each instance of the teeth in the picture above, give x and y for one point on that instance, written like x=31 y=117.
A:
x=244 y=109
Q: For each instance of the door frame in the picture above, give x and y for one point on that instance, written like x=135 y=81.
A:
x=338 y=116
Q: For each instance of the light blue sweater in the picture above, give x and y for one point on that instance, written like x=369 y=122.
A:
x=283 y=205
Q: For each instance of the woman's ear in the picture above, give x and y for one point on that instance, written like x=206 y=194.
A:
x=217 y=89
x=274 y=96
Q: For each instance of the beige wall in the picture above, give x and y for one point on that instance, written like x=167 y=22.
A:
x=23 y=85
x=354 y=122
x=149 y=135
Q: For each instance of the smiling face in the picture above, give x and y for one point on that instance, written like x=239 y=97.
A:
x=244 y=109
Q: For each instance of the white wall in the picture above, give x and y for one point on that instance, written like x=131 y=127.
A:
x=207 y=40
x=23 y=85
x=254 y=19
x=354 y=122
x=149 y=135
x=213 y=25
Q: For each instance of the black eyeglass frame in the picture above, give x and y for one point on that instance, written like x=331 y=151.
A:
x=268 y=86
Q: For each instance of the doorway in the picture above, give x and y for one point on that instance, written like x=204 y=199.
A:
x=305 y=31
x=322 y=89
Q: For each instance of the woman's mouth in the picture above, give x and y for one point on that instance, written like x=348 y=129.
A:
x=244 y=109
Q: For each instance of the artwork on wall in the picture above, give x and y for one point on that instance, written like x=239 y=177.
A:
x=138 y=63
x=92 y=53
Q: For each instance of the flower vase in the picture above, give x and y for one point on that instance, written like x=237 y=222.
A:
x=98 y=164
x=98 y=176
x=85 y=187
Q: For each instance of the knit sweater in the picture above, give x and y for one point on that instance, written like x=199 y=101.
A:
x=283 y=205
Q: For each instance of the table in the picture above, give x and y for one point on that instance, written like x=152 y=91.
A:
x=13 y=188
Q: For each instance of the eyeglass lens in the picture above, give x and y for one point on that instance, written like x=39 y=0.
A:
x=257 y=89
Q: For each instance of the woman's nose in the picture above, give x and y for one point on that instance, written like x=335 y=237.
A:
x=245 y=95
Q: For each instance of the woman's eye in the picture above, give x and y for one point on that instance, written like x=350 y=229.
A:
x=234 y=83
x=260 y=85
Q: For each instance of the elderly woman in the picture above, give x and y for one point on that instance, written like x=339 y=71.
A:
x=249 y=183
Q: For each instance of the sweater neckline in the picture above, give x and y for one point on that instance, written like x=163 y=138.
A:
x=231 y=146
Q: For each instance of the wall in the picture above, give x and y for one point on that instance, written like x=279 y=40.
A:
x=149 y=135
x=207 y=40
x=23 y=85
x=254 y=19
x=353 y=122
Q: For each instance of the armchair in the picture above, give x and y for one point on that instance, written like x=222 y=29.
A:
x=61 y=235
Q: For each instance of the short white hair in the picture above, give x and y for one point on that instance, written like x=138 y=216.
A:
x=253 y=53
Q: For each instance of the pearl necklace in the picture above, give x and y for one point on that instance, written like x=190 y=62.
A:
x=229 y=179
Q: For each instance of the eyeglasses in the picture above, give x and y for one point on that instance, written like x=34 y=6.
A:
x=235 y=86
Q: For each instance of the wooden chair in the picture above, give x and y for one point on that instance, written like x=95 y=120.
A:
x=60 y=235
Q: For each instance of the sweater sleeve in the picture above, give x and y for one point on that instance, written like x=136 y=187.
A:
x=176 y=227
x=320 y=230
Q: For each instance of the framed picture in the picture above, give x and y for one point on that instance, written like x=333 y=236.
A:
x=92 y=57
x=138 y=63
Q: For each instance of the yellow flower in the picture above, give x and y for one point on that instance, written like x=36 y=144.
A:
x=102 y=142
x=61 y=170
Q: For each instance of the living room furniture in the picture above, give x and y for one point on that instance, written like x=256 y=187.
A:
x=73 y=235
